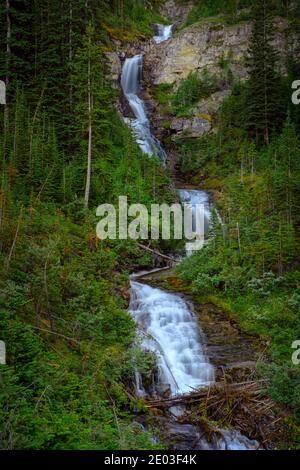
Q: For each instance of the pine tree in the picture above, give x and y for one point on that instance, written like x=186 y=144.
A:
x=286 y=177
x=263 y=101
x=93 y=100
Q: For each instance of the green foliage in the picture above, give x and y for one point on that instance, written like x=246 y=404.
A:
x=262 y=304
x=63 y=295
x=213 y=7
x=191 y=90
x=232 y=11
x=135 y=16
x=187 y=94
x=68 y=338
x=264 y=103
x=251 y=265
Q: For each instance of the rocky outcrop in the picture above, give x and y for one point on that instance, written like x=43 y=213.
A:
x=208 y=45
x=113 y=67
x=203 y=116
x=176 y=13
x=211 y=105
x=195 y=127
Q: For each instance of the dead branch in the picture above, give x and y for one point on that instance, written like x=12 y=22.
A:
x=157 y=253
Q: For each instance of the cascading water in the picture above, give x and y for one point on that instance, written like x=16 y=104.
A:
x=167 y=326
x=171 y=331
x=131 y=85
x=130 y=81
x=163 y=33
x=194 y=197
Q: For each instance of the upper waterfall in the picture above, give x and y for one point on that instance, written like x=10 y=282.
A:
x=130 y=82
x=164 y=33
x=131 y=86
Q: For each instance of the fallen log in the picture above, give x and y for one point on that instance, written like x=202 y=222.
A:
x=253 y=389
x=156 y=253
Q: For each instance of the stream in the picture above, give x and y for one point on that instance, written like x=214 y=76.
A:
x=166 y=323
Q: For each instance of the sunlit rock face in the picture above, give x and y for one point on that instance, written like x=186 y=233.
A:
x=204 y=46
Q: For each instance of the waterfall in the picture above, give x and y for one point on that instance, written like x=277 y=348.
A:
x=195 y=197
x=167 y=326
x=163 y=33
x=171 y=331
x=131 y=86
x=130 y=82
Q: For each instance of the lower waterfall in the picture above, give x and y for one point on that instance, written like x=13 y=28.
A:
x=163 y=33
x=172 y=333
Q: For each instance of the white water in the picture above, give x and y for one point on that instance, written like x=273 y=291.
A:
x=193 y=198
x=130 y=81
x=171 y=331
x=167 y=325
x=164 y=33
x=131 y=85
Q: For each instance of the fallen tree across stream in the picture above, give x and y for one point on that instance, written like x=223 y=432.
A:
x=244 y=406
x=254 y=388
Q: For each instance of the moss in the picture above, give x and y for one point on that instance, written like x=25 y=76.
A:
x=122 y=34
x=213 y=184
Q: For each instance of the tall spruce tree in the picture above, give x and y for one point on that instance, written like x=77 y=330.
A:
x=264 y=103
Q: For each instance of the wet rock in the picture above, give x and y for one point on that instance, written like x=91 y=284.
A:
x=181 y=436
x=163 y=390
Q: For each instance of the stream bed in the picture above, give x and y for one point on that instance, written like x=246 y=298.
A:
x=167 y=325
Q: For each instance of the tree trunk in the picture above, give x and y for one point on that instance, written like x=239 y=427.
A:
x=90 y=132
x=71 y=52
x=8 y=40
x=8 y=57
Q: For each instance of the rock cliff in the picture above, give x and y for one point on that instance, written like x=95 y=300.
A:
x=204 y=46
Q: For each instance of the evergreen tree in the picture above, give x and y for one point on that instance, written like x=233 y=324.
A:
x=263 y=101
